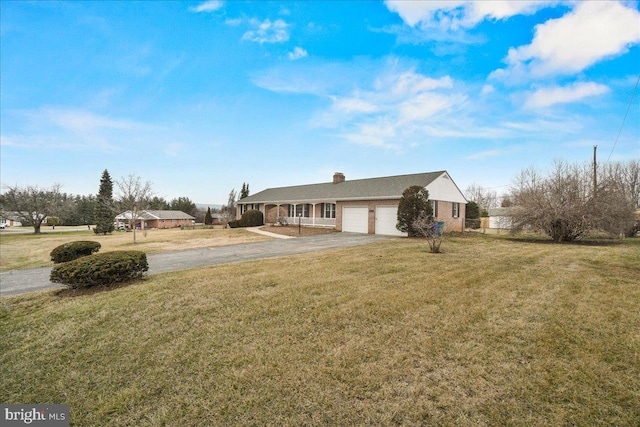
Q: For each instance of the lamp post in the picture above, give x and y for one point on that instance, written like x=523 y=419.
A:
x=299 y=221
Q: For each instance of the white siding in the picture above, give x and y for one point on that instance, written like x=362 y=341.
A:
x=443 y=188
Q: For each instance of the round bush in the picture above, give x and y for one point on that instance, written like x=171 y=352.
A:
x=252 y=218
x=74 y=250
x=101 y=269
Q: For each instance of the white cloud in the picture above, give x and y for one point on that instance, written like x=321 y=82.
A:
x=549 y=96
x=388 y=104
x=233 y=22
x=208 y=6
x=396 y=110
x=455 y=14
x=79 y=120
x=69 y=129
x=485 y=154
x=173 y=149
x=592 y=32
x=353 y=105
x=267 y=31
x=487 y=90
x=297 y=53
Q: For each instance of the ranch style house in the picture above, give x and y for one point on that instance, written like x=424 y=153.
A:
x=156 y=219
x=358 y=206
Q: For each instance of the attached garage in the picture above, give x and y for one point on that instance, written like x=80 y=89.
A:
x=386 y=220
x=355 y=219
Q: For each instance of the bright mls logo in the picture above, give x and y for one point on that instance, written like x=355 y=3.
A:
x=35 y=415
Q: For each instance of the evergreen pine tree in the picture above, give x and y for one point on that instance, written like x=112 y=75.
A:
x=208 y=219
x=413 y=203
x=104 y=214
x=244 y=192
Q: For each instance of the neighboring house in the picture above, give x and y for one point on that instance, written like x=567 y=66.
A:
x=500 y=218
x=157 y=219
x=360 y=206
x=216 y=219
x=10 y=219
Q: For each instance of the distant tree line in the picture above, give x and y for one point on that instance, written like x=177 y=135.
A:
x=34 y=206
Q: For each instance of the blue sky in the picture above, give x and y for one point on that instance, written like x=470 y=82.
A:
x=199 y=97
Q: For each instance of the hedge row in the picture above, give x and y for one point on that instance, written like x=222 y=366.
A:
x=101 y=269
x=74 y=250
x=251 y=218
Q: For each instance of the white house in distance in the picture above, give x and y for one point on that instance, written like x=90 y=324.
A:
x=500 y=218
x=359 y=206
x=9 y=219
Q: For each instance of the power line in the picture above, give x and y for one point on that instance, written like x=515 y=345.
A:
x=625 y=118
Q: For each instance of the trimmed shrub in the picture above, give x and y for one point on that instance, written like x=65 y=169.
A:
x=101 y=269
x=234 y=223
x=252 y=218
x=74 y=250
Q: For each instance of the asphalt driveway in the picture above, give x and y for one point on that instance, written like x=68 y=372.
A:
x=22 y=281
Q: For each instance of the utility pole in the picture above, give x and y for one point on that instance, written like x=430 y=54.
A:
x=595 y=172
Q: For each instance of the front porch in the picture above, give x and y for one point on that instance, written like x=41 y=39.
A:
x=318 y=214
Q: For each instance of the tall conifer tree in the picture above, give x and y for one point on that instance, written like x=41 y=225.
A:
x=244 y=192
x=208 y=219
x=105 y=213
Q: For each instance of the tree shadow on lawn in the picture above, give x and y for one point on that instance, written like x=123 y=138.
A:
x=92 y=290
x=586 y=242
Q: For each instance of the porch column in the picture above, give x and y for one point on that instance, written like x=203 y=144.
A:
x=313 y=220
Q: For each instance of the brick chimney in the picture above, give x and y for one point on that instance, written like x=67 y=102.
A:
x=338 y=177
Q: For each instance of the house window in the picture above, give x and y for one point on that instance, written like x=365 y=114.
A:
x=328 y=210
x=303 y=210
x=434 y=208
x=455 y=210
x=292 y=210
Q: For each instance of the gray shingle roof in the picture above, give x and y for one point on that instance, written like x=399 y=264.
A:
x=390 y=187
x=157 y=214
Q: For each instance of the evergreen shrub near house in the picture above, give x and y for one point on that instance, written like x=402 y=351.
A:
x=252 y=218
x=101 y=269
x=74 y=250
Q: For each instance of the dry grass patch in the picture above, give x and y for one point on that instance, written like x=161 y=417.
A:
x=493 y=332
x=296 y=231
x=19 y=251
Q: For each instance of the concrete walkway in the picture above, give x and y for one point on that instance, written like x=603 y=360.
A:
x=22 y=281
x=258 y=230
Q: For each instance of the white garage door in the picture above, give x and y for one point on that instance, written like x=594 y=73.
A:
x=386 y=219
x=355 y=219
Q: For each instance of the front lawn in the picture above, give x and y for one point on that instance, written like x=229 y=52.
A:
x=492 y=332
x=19 y=251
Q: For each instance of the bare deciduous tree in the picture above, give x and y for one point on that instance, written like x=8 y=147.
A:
x=133 y=198
x=228 y=211
x=426 y=226
x=564 y=204
x=32 y=205
x=484 y=198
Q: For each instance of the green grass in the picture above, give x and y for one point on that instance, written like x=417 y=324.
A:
x=492 y=332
